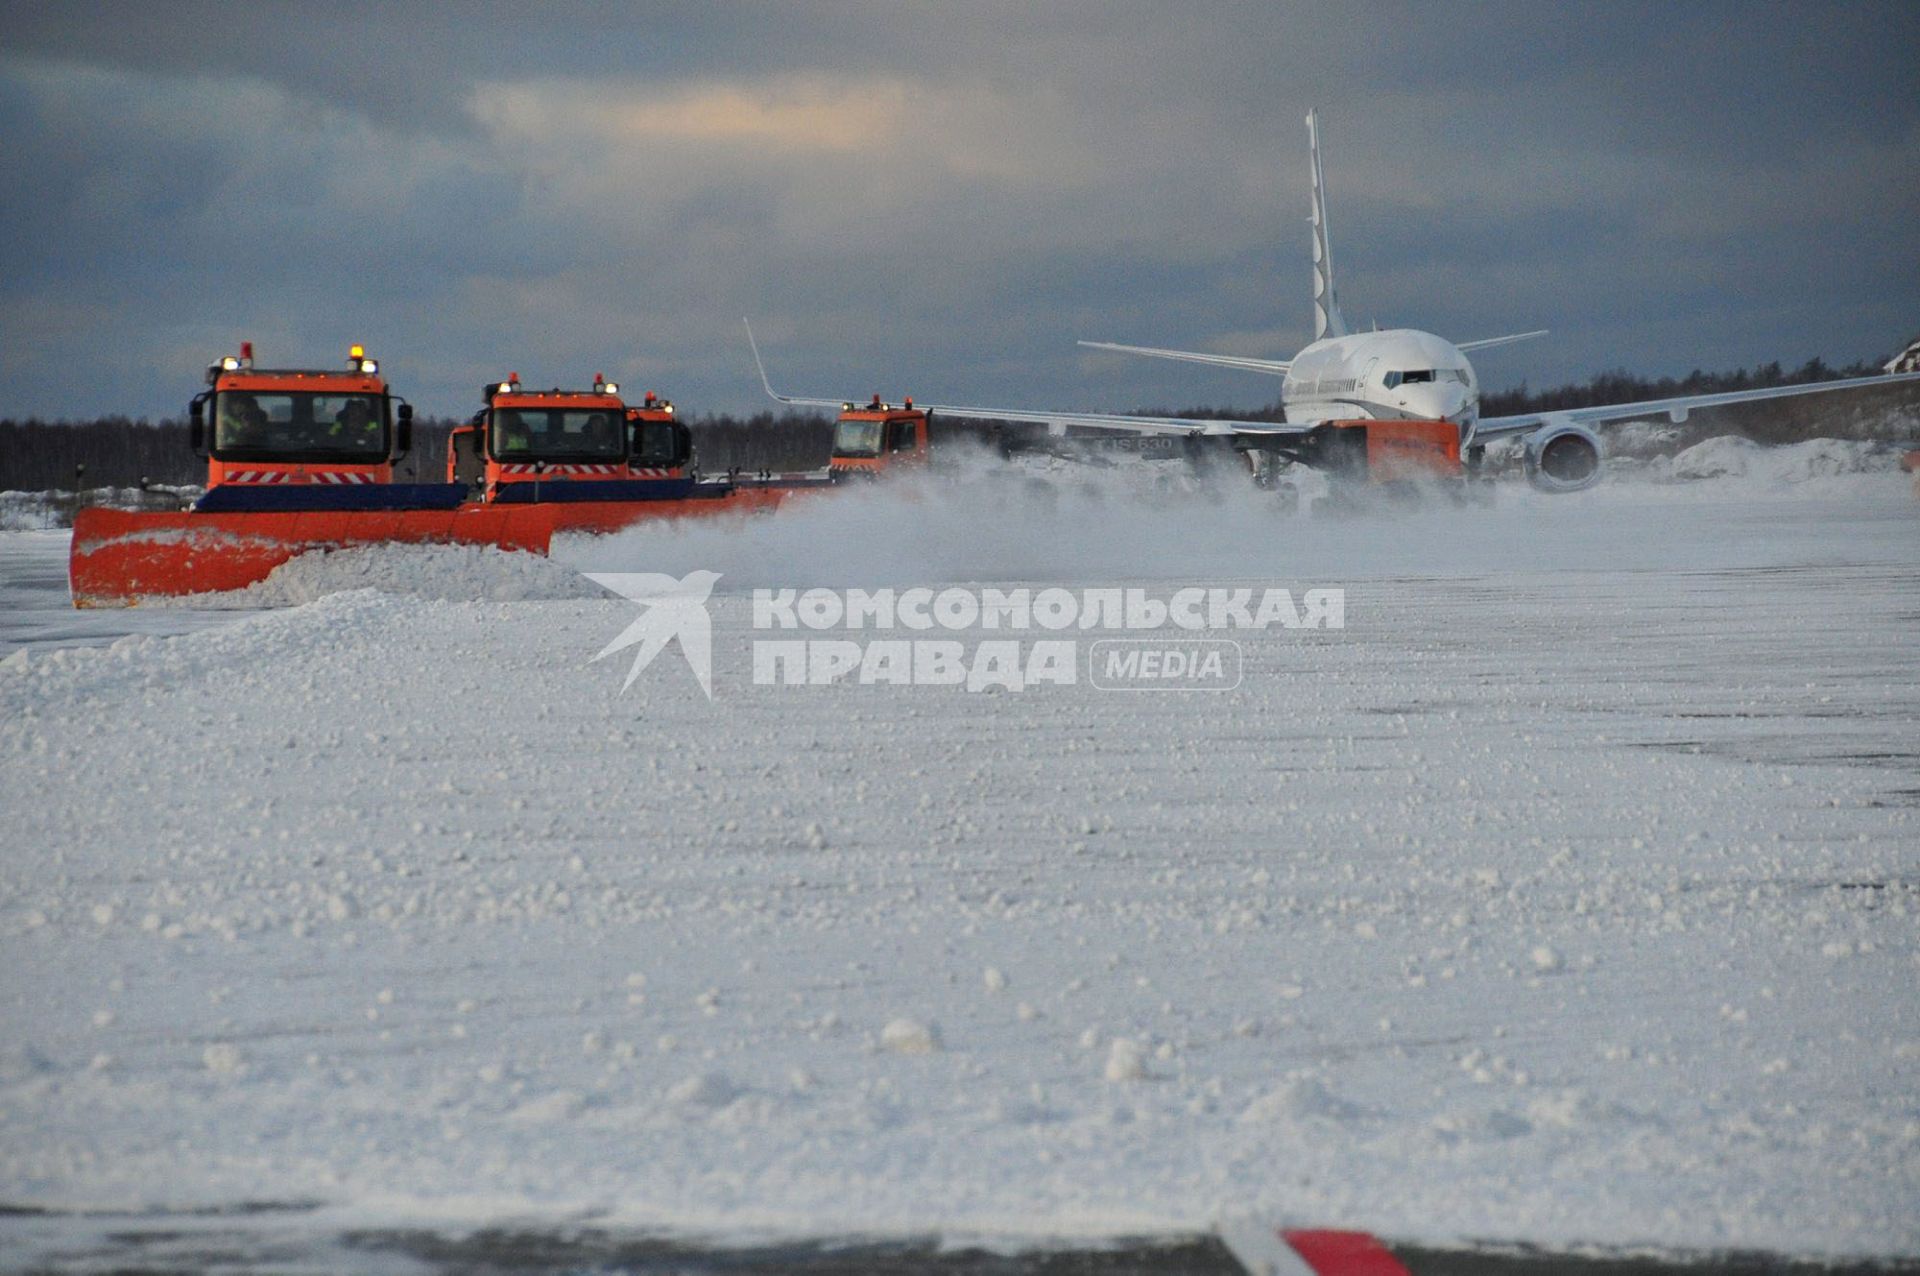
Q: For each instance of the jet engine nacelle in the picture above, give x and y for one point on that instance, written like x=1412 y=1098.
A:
x=1563 y=458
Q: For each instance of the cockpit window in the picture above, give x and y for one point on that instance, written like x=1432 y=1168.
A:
x=1425 y=376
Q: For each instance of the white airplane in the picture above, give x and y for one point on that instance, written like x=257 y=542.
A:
x=1398 y=374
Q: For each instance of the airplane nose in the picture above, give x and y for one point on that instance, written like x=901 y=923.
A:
x=1436 y=402
x=1440 y=402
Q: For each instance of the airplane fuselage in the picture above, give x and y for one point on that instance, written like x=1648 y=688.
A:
x=1396 y=374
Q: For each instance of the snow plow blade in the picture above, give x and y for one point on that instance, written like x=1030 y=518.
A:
x=703 y=500
x=121 y=558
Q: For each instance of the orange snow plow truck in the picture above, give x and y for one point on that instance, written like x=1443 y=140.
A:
x=302 y=459
x=594 y=464
x=879 y=438
x=528 y=446
x=297 y=459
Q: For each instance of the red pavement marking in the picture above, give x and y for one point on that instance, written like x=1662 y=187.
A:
x=1344 y=1253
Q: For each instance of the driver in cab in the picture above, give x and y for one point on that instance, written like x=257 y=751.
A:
x=243 y=422
x=353 y=423
x=600 y=434
x=514 y=435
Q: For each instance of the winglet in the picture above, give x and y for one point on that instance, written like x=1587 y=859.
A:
x=1327 y=319
x=793 y=400
x=755 y=347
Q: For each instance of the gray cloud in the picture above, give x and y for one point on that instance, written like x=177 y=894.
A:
x=936 y=200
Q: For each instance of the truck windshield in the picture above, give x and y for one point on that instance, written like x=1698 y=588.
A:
x=653 y=444
x=259 y=425
x=554 y=434
x=856 y=438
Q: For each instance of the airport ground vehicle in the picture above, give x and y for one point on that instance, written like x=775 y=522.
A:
x=266 y=432
x=878 y=438
x=529 y=446
x=302 y=459
x=296 y=458
x=1380 y=452
x=659 y=445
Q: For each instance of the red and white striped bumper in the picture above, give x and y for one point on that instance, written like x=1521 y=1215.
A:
x=335 y=478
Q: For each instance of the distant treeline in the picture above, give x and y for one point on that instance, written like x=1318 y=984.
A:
x=115 y=451
x=119 y=451
x=1624 y=387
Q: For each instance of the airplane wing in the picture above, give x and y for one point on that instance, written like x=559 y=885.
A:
x=1488 y=343
x=1274 y=367
x=1675 y=409
x=1057 y=422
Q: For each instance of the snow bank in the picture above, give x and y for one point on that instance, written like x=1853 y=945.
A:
x=39 y=511
x=451 y=572
x=1642 y=452
x=1731 y=456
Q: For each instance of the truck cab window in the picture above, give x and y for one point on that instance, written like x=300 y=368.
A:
x=264 y=425
x=856 y=438
x=555 y=434
x=653 y=444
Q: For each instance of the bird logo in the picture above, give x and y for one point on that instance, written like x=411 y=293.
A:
x=670 y=609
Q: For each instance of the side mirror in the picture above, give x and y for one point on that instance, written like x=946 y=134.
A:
x=405 y=439
x=197 y=425
x=682 y=446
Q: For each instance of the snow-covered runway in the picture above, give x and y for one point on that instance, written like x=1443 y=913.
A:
x=1571 y=894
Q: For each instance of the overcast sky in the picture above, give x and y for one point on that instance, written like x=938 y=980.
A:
x=938 y=199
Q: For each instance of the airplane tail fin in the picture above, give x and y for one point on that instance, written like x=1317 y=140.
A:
x=1327 y=319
